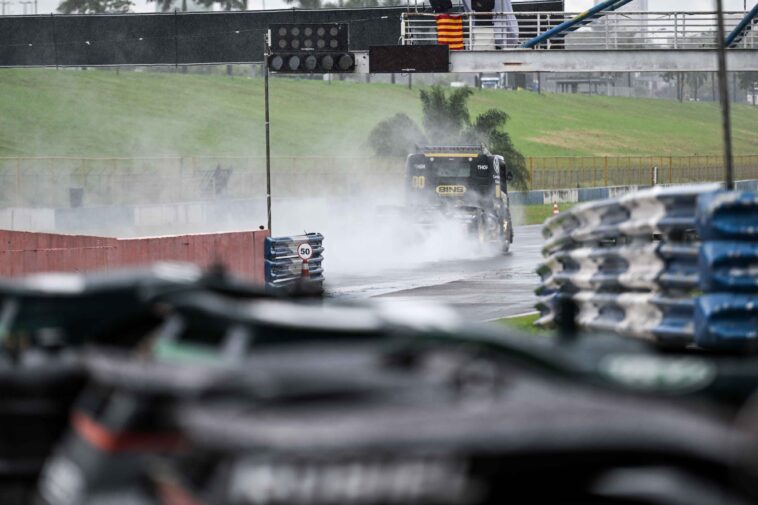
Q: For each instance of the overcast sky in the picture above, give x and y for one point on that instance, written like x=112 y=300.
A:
x=48 y=6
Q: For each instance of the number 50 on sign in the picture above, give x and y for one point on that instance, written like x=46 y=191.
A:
x=304 y=251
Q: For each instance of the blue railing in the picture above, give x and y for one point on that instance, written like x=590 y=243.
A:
x=742 y=28
x=678 y=266
x=573 y=24
x=294 y=263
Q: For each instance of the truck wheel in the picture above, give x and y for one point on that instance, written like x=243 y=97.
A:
x=506 y=241
x=480 y=230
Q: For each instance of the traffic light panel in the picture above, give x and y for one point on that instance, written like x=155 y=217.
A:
x=309 y=37
x=311 y=62
x=310 y=47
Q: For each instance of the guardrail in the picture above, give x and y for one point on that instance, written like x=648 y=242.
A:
x=610 y=31
x=675 y=265
x=294 y=263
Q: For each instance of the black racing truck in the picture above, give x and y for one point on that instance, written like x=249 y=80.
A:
x=466 y=185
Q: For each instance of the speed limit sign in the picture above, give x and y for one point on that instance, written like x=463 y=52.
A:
x=304 y=251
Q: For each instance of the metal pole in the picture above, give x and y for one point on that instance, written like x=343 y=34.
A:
x=267 y=52
x=743 y=27
x=724 y=95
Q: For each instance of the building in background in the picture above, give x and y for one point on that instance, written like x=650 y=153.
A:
x=622 y=27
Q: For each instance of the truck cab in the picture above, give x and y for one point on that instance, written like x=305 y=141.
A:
x=465 y=182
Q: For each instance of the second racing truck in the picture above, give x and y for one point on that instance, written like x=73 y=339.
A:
x=463 y=185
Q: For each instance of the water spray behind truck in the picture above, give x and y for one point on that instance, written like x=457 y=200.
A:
x=467 y=185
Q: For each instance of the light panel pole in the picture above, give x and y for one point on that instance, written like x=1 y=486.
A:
x=724 y=96
x=266 y=54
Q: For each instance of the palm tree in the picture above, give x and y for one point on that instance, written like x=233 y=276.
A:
x=695 y=80
x=489 y=129
x=338 y=4
x=226 y=5
x=446 y=120
x=445 y=116
x=749 y=82
x=166 y=5
x=678 y=79
x=94 y=6
x=305 y=4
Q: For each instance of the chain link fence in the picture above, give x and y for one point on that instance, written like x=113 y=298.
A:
x=599 y=171
x=74 y=182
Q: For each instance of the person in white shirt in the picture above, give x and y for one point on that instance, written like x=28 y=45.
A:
x=505 y=25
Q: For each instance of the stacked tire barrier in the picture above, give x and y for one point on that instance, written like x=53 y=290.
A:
x=176 y=385
x=294 y=263
x=677 y=265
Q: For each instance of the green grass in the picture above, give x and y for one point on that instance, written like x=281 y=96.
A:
x=536 y=214
x=523 y=324
x=104 y=113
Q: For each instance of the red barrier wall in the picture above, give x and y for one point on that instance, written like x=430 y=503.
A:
x=26 y=252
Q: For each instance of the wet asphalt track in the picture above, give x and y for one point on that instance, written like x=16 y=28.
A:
x=481 y=289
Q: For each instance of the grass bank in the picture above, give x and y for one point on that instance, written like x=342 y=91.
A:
x=104 y=113
x=536 y=214
x=523 y=324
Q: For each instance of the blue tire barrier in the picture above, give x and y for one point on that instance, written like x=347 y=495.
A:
x=294 y=263
x=677 y=265
x=727 y=321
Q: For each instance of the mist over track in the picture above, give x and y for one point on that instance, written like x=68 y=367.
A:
x=480 y=288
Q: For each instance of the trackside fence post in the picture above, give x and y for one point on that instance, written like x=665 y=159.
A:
x=605 y=171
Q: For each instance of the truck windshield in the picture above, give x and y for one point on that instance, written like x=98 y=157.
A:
x=456 y=167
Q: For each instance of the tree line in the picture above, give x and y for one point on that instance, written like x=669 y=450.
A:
x=124 y=6
x=695 y=85
x=446 y=121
